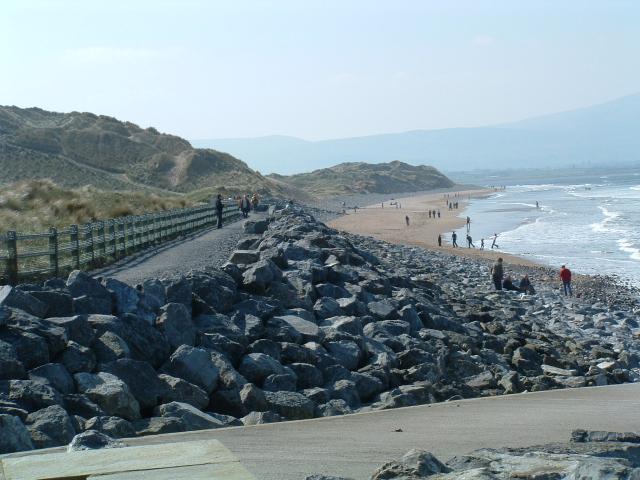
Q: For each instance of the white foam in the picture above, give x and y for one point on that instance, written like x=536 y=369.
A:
x=603 y=226
x=627 y=246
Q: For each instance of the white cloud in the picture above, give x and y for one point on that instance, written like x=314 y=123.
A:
x=483 y=40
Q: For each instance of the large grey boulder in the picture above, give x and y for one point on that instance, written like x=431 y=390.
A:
x=308 y=375
x=153 y=294
x=414 y=464
x=175 y=322
x=115 y=427
x=192 y=418
x=258 y=277
x=77 y=328
x=244 y=256
x=81 y=405
x=308 y=331
x=109 y=347
x=59 y=304
x=77 y=358
x=333 y=407
x=327 y=307
x=145 y=342
x=124 y=297
x=30 y=394
x=92 y=440
x=259 y=418
x=382 y=310
x=193 y=365
x=255 y=367
x=179 y=291
x=81 y=284
x=110 y=393
x=10 y=365
x=141 y=379
x=346 y=390
x=290 y=405
x=50 y=427
x=285 y=381
x=56 y=375
x=15 y=436
x=255 y=227
x=179 y=390
x=12 y=297
x=158 y=425
x=345 y=352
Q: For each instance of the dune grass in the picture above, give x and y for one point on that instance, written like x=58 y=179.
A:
x=37 y=205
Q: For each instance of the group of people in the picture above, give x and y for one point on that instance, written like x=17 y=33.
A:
x=245 y=204
x=502 y=282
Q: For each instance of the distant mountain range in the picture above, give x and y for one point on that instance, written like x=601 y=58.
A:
x=603 y=134
x=358 y=178
x=76 y=149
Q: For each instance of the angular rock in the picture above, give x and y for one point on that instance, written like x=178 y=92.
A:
x=413 y=464
x=77 y=358
x=50 y=427
x=110 y=393
x=179 y=390
x=92 y=440
x=345 y=352
x=115 y=427
x=77 y=328
x=15 y=436
x=255 y=367
x=192 y=418
x=193 y=365
x=290 y=405
x=141 y=378
x=158 y=425
x=12 y=297
x=109 y=347
x=259 y=418
x=56 y=375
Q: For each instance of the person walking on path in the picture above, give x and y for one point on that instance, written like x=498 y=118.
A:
x=219 y=208
x=454 y=238
x=470 y=241
x=406 y=219
x=255 y=200
x=494 y=244
x=439 y=240
x=497 y=272
x=245 y=206
x=565 y=276
x=438 y=213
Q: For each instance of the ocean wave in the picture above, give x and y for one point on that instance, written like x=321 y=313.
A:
x=626 y=245
x=603 y=226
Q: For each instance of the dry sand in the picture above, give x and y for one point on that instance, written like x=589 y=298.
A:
x=389 y=224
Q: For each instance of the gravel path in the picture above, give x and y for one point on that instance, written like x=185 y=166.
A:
x=208 y=248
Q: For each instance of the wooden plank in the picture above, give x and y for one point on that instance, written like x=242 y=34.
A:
x=220 y=471
x=114 y=460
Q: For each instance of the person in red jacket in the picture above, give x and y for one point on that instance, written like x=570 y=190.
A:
x=565 y=276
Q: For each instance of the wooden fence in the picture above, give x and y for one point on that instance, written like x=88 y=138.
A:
x=30 y=256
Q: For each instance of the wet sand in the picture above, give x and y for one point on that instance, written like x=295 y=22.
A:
x=389 y=224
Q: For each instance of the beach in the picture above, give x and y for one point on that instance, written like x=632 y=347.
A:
x=388 y=223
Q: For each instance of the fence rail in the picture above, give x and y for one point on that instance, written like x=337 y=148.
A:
x=28 y=256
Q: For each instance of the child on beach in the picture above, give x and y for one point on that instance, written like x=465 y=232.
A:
x=565 y=276
x=482 y=244
x=494 y=244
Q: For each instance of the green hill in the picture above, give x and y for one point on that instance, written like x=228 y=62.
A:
x=357 y=178
x=76 y=149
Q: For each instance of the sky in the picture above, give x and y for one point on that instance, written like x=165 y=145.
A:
x=317 y=69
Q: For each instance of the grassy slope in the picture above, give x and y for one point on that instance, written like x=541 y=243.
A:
x=357 y=178
x=34 y=206
x=76 y=149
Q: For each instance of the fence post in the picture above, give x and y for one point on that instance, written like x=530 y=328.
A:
x=102 y=241
x=12 y=258
x=112 y=239
x=75 y=247
x=122 y=238
x=88 y=240
x=53 y=251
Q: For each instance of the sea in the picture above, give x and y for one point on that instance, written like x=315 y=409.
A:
x=589 y=223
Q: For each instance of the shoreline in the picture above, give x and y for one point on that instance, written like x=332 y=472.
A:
x=388 y=224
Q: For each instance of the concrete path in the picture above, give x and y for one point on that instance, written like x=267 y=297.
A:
x=355 y=445
x=210 y=247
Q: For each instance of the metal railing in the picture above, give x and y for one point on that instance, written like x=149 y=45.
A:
x=31 y=256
